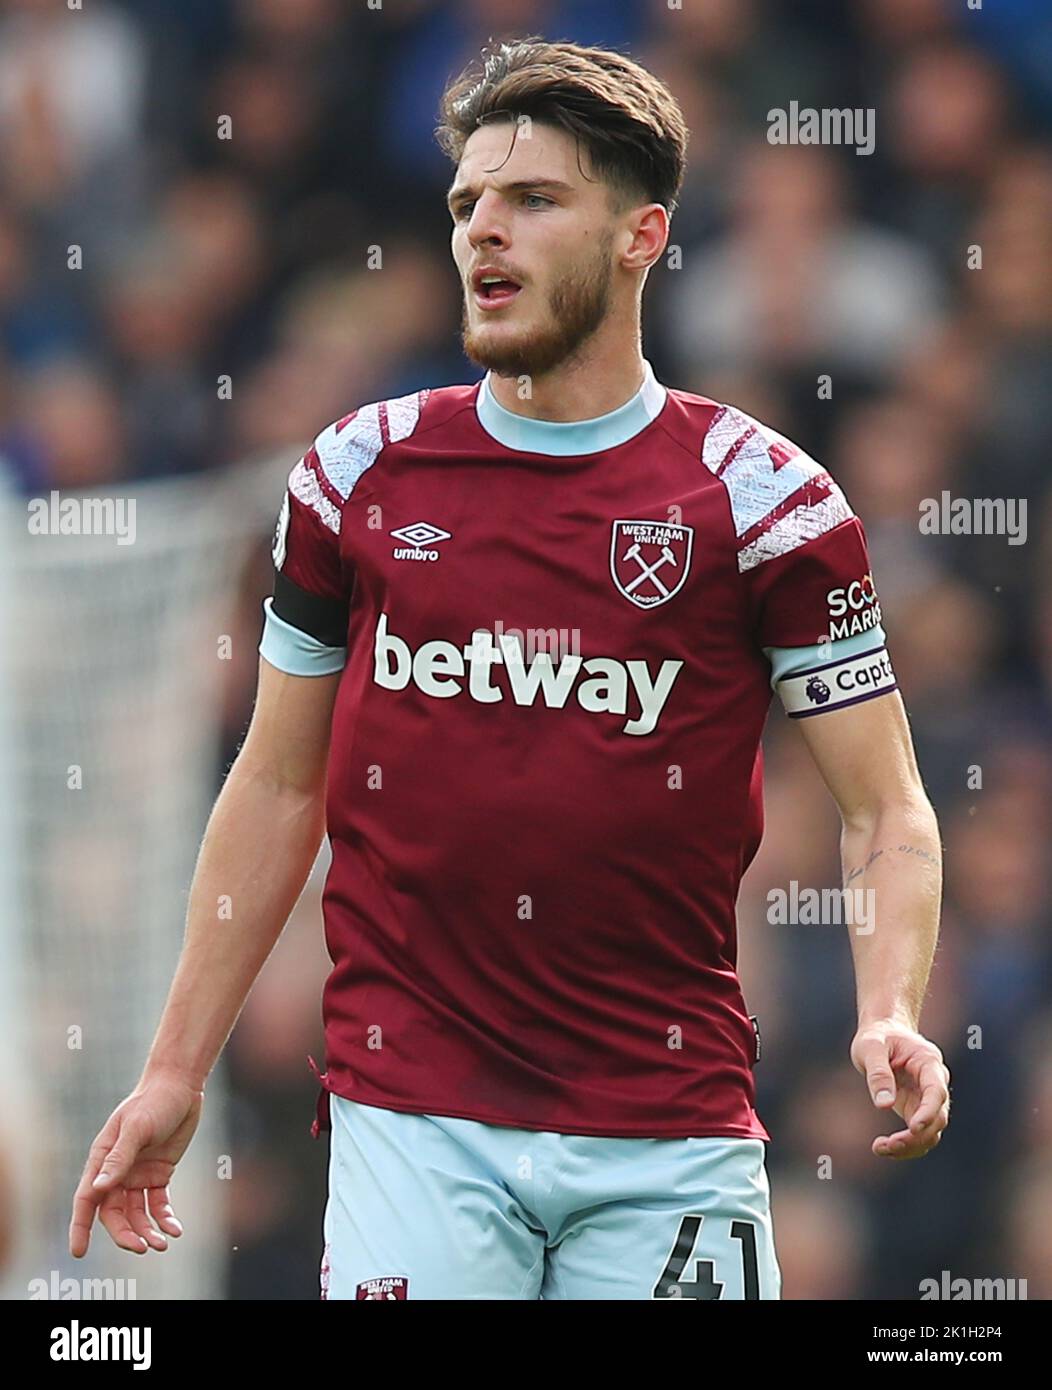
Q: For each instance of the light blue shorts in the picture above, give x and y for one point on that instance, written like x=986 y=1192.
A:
x=426 y=1206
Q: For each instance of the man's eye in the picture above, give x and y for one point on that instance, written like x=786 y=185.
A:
x=464 y=209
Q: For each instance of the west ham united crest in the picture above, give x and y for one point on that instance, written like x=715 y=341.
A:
x=388 y=1287
x=649 y=560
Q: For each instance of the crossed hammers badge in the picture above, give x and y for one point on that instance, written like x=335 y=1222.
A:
x=649 y=560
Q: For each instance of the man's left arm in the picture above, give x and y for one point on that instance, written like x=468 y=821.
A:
x=812 y=604
x=890 y=850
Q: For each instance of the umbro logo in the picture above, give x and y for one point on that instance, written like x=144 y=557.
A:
x=421 y=538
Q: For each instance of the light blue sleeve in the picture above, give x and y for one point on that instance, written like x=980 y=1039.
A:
x=296 y=652
x=794 y=661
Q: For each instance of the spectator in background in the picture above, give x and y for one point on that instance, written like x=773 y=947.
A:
x=71 y=103
x=795 y=284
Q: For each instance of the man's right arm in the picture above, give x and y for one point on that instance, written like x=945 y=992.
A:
x=259 y=847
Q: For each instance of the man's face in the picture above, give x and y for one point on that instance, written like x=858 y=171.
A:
x=533 y=216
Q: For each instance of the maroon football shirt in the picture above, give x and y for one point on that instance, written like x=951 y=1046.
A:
x=545 y=777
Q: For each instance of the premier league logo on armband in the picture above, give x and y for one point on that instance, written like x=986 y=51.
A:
x=817 y=691
x=650 y=560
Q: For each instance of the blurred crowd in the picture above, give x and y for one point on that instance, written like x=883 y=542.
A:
x=222 y=225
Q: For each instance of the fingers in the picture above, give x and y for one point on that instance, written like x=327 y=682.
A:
x=873 y=1054
x=84 y=1208
x=114 y=1217
x=933 y=1079
x=139 y=1220
x=905 y=1073
x=86 y=1198
x=109 y=1159
x=929 y=1119
x=161 y=1210
x=126 y=1188
x=118 y=1162
x=123 y=1213
x=906 y=1145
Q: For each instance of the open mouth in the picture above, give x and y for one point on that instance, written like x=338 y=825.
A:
x=492 y=292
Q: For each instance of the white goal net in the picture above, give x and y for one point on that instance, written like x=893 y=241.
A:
x=110 y=719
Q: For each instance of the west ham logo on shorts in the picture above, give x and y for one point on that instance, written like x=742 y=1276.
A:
x=388 y=1286
x=649 y=560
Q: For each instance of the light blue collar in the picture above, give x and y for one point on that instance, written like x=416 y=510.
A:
x=570 y=436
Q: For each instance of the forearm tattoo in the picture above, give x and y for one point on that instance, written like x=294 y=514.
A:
x=897 y=849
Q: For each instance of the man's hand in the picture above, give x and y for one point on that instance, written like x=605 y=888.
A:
x=130 y=1165
x=905 y=1073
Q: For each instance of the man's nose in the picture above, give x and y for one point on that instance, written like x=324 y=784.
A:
x=488 y=222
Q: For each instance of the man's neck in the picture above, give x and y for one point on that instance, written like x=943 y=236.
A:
x=573 y=391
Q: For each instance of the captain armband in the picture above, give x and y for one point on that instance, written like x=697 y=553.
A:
x=832 y=675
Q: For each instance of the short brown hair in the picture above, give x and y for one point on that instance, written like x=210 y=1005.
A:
x=627 y=119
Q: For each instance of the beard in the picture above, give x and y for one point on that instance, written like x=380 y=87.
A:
x=577 y=303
